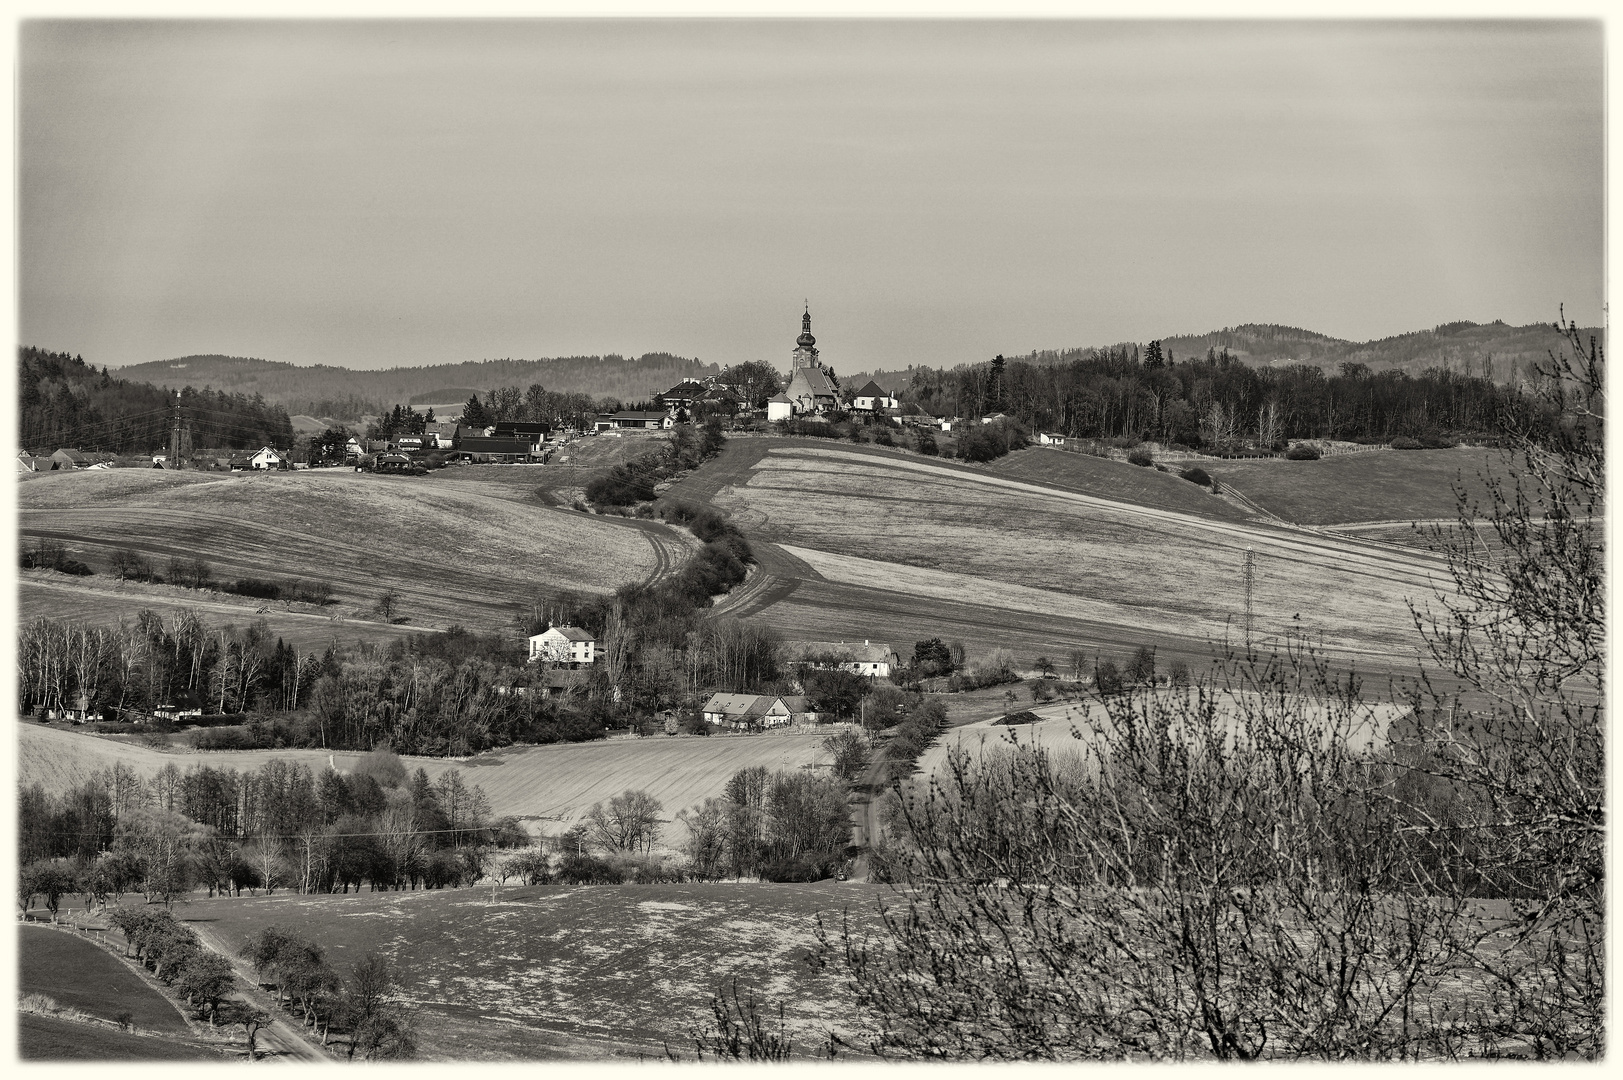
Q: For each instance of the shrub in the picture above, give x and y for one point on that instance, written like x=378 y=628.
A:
x=1196 y=475
x=578 y=869
x=263 y=590
x=801 y=868
x=927 y=444
x=1403 y=442
x=1437 y=442
x=1140 y=457
x=883 y=438
x=1303 y=452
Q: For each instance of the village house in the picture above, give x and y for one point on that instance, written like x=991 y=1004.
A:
x=563 y=645
x=871 y=399
x=489 y=448
x=1050 y=439
x=531 y=430
x=635 y=420
x=945 y=423
x=872 y=659
x=266 y=458
x=439 y=435
x=742 y=711
x=779 y=407
x=71 y=459
x=993 y=418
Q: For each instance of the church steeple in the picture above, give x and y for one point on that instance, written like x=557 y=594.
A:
x=805 y=340
x=805 y=354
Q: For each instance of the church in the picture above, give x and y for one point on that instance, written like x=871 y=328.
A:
x=812 y=389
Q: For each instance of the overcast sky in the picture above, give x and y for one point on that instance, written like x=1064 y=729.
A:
x=380 y=194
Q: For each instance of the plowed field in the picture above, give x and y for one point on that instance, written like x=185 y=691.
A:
x=457 y=551
x=898 y=546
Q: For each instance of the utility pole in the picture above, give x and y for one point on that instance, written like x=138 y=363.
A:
x=180 y=434
x=1249 y=572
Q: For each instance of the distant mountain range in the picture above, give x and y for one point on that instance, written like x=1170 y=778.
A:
x=326 y=391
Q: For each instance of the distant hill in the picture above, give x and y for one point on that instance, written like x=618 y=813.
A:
x=340 y=393
x=1463 y=347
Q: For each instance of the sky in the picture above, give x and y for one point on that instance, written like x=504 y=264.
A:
x=374 y=194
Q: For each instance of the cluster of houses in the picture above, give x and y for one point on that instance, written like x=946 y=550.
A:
x=60 y=460
x=569 y=653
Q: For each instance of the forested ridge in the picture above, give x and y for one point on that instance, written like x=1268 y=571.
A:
x=65 y=402
x=1215 y=399
x=345 y=394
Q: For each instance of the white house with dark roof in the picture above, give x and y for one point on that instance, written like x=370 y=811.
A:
x=563 y=645
x=757 y=710
x=872 y=399
x=780 y=407
x=871 y=658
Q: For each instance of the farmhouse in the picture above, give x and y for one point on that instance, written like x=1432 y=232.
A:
x=488 y=448
x=1047 y=438
x=872 y=659
x=530 y=430
x=439 y=435
x=563 y=645
x=70 y=459
x=637 y=420
x=740 y=711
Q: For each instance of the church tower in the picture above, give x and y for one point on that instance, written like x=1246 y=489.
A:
x=805 y=354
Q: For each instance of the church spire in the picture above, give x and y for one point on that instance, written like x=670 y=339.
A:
x=805 y=340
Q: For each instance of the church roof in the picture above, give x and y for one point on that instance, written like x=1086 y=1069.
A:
x=780 y=398
x=813 y=381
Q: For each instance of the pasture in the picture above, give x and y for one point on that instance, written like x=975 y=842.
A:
x=551 y=787
x=903 y=532
x=45 y=1038
x=1381 y=485
x=1115 y=480
x=461 y=552
x=1067 y=728
x=548 y=972
x=77 y=974
x=102 y=601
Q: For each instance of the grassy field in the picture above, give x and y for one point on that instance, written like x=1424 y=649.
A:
x=1368 y=727
x=77 y=974
x=44 y=1038
x=939 y=536
x=1385 y=485
x=103 y=601
x=568 y=971
x=457 y=550
x=1116 y=480
x=554 y=786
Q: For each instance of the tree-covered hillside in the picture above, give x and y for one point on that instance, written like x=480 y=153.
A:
x=65 y=402
x=343 y=394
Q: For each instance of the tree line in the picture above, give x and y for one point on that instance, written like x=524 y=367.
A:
x=280 y=826
x=64 y=402
x=1216 y=401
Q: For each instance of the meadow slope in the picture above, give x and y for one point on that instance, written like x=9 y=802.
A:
x=456 y=550
x=897 y=545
